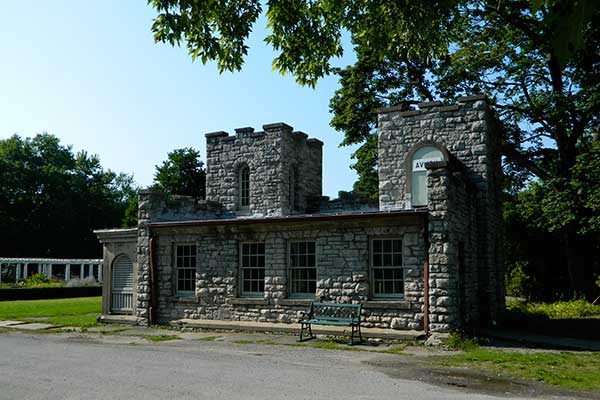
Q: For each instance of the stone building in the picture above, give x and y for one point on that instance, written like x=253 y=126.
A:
x=265 y=242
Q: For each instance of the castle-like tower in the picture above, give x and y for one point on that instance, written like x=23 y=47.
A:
x=269 y=173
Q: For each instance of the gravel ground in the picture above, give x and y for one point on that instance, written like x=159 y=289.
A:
x=126 y=366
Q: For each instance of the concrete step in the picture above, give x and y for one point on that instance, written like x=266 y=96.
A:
x=118 y=319
x=295 y=328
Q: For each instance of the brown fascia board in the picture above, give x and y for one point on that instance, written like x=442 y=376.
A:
x=289 y=218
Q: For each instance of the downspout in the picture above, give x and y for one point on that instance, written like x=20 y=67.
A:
x=153 y=282
x=426 y=276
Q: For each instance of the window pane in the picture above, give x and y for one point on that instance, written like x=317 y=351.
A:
x=253 y=268
x=387 y=271
x=387 y=260
x=185 y=264
x=377 y=260
x=387 y=246
x=302 y=274
x=377 y=246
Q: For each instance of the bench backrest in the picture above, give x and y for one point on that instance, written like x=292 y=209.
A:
x=335 y=311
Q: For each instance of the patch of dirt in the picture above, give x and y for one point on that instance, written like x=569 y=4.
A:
x=469 y=380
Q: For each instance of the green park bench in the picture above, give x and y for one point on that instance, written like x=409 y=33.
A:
x=331 y=314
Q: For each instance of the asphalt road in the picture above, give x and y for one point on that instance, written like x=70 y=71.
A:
x=37 y=366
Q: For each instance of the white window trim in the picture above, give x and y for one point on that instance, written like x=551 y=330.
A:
x=289 y=268
x=183 y=293
x=241 y=292
x=372 y=268
x=241 y=204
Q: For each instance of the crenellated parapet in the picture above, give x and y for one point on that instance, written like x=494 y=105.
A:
x=284 y=170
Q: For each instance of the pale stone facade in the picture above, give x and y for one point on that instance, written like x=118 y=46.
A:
x=448 y=248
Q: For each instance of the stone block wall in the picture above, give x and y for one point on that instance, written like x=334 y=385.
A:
x=466 y=130
x=342 y=272
x=453 y=262
x=155 y=206
x=270 y=155
x=464 y=203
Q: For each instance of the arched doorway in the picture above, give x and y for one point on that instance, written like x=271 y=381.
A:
x=122 y=285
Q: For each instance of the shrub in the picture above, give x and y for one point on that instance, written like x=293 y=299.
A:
x=458 y=341
x=37 y=280
x=559 y=310
x=82 y=282
x=518 y=283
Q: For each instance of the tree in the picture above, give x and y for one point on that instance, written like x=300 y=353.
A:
x=182 y=173
x=51 y=199
x=538 y=62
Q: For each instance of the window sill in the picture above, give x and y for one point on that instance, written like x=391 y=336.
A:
x=242 y=301
x=185 y=300
x=387 y=304
x=295 y=302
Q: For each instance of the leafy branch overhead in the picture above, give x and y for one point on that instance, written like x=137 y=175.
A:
x=306 y=34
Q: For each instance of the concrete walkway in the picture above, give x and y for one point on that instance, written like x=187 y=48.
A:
x=295 y=329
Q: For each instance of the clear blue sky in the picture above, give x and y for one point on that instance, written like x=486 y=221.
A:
x=90 y=73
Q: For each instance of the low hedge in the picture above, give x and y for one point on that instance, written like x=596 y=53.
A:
x=34 y=293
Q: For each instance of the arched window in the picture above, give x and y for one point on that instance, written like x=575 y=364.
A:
x=418 y=175
x=244 y=180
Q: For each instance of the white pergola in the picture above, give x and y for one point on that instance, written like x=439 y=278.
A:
x=84 y=266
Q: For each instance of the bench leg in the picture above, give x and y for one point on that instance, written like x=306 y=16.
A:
x=356 y=329
x=360 y=334
x=304 y=326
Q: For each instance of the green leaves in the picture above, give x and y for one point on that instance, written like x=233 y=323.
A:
x=182 y=173
x=214 y=30
x=306 y=34
x=51 y=199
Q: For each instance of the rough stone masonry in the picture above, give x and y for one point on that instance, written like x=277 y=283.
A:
x=427 y=258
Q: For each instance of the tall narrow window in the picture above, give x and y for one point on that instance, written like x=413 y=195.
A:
x=387 y=272
x=302 y=269
x=292 y=189
x=245 y=187
x=185 y=269
x=252 y=269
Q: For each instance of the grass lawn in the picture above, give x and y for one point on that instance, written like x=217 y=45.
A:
x=567 y=370
x=81 y=311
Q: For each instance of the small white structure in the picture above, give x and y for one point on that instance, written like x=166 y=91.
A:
x=59 y=268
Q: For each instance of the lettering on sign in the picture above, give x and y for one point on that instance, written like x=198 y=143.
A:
x=419 y=165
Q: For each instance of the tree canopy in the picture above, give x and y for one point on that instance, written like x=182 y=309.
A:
x=52 y=199
x=182 y=173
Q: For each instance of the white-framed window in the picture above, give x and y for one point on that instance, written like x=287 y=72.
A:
x=252 y=269
x=387 y=270
x=244 y=180
x=418 y=188
x=302 y=269
x=185 y=270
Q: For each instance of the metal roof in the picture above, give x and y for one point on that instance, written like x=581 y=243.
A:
x=290 y=218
